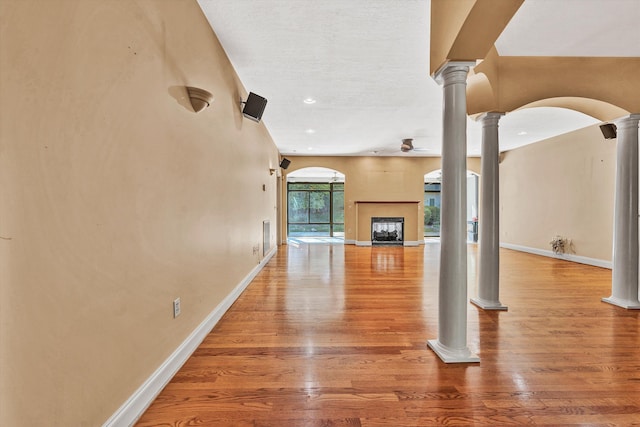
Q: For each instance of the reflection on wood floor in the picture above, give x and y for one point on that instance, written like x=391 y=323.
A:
x=332 y=335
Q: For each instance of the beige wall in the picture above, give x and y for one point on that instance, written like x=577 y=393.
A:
x=410 y=211
x=375 y=179
x=564 y=186
x=115 y=198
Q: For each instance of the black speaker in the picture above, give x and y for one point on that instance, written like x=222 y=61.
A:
x=284 y=163
x=254 y=107
x=609 y=130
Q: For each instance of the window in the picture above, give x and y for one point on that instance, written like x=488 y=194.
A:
x=432 y=209
x=315 y=209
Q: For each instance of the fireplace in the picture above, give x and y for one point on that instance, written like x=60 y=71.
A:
x=387 y=230
x=403 y=213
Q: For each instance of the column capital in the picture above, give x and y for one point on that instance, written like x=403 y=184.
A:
x=490 y=118
x=629 y=121
x=448 y=72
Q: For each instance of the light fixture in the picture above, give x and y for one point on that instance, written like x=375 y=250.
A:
x=309 y=101
x=609 y=130
x=200 y=98
x=521 y=133
x=310 y=131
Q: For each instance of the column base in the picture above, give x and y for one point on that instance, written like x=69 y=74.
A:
x=628 y=304
x=488 y=305
x=449 y=355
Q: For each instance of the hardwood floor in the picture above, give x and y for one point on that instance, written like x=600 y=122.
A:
x=332 y=335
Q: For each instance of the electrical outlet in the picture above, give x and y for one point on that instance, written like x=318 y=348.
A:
x=176 y=307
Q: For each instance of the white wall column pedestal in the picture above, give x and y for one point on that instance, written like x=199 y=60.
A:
x=451 y=345
x=624 y=286
x=489 y=245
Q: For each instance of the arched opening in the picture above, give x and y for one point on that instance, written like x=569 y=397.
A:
x=432 y=199
x=315 y=203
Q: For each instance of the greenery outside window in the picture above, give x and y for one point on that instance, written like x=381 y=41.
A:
x=432 y=209
x=315 y=209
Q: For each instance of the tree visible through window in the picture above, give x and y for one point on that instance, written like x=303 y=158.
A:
x=432 y=209
x=315 y=209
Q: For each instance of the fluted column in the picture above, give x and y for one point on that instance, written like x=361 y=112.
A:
x=624 y=285
x=451 y=345
x=489 y=246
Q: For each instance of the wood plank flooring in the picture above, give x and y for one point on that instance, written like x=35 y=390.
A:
x=332 y=335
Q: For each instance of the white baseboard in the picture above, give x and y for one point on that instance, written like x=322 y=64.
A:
x=405 y=243
x=135 y=406
x=349 y=242
x=567 y=257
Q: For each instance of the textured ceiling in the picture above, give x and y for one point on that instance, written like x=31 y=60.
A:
x=573 y=28
x=365 y=64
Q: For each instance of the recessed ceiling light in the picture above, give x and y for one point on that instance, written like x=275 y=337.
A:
x=310 y=131
x=310 y=148
x=522 y=133
x=309 y=101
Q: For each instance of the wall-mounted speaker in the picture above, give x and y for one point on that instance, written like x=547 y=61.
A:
x=254 y=107
x=284 y=163
x=609 y=130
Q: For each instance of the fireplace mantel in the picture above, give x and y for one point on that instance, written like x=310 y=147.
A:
x=407 y=209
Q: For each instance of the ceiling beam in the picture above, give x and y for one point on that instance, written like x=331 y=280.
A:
x=604 y=88
x=465 y=30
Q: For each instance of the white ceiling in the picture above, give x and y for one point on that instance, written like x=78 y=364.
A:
x=365 y=63
x=573 y=28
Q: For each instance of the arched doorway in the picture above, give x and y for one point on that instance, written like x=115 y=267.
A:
x=315 y=203
x=432 y=194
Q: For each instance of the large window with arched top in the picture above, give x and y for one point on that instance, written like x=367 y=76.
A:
x=315 y=203
x=315 y=209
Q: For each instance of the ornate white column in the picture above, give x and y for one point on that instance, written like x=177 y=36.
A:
x=624 y=285
x=451 y=345
x=489 y=246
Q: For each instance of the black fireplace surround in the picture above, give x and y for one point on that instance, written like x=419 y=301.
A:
x=387 y=230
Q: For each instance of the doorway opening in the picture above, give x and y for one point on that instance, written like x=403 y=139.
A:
x=432 y=198
x=315 y=203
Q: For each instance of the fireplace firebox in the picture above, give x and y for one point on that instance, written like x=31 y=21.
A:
x=387 y=231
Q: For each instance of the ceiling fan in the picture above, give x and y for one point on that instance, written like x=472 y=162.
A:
x=407 y=145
